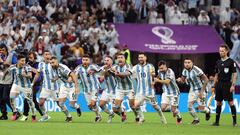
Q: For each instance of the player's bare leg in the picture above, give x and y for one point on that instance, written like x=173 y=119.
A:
x=13 y=97
x=61 y=104
x=205 y=110
x=193 y=113
x=118 y=110
x=45 y=116
x=31 y=104
x=176 y=113
x=136 y=110
x=160 y=113
x=103 y=105
x=93 y=107
x=140 y=118
x=74 y=105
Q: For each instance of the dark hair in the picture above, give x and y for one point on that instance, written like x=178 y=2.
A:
x=188 y=59
x=225 y=46
x=141 y=53
x=108 y=56
x=86 y=56
x=45 y=51
x=20 y=56
x=3 y=46
x=119 y=54
x=162 y=62
x=53 y=58
x=34 y=54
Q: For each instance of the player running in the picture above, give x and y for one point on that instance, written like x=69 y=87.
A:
x=123 y=73
x=170 y=95
x=197 y=80
x=50 y=87
x=144 y=73
x=87 y=74
x=108 y=94
x=22 y=83
x=68 y=88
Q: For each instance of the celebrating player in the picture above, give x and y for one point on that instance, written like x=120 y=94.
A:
x=68 y=88
x=170 y=95
x=197 y=80
x=124 y=86
x=22 y=83
x=144 y=73
x=108 y=95
x=49 y=87
x=87 y=74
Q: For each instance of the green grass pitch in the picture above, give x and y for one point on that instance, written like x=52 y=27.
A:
x=84 y=125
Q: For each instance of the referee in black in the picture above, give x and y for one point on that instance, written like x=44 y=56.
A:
x=224 y=83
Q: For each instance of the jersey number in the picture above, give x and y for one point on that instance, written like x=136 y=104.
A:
x=143 y=75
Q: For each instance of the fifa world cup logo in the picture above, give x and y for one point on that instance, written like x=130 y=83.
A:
x=165 y=36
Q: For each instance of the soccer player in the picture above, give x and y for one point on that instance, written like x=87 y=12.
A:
x=144 y=73
x=87 y=74
x=50 y=87
x=32 y=57
x=123 y=73
x=22 y=83
x=224 y=83
x=68 y=88
x=108 y=94
x=197 y=80
x=170 y=95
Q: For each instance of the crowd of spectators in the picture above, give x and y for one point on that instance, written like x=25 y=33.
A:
x=71 y=28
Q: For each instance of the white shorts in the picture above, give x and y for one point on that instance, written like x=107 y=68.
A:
x=170 y=100
x=46 y=94
x=91 y=96
x=121 y=93
x=68 y=93
x=193 y=97
x=107 y=96
x=150 y=99
x=27 y=92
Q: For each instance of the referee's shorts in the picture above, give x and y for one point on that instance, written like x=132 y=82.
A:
x=222 y=91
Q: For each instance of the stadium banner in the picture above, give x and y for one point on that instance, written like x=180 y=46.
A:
x=51 y=106
x=171 y=39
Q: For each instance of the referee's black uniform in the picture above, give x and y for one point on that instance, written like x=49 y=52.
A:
x=224 y=70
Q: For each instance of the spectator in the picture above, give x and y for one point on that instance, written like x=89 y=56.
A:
x=225 y=15
x=203 y=18
x=235 y=52
x=152 y=16
x=175 y=16
x=192 y=20
x=183 y=6
x=36 y=8
x=160 y=19
x=143 y=12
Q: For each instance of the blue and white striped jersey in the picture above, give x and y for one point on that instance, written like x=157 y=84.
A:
x=170 y=89
x=63 y=73
x=90 y=82
x=17 y=75
x=109 y=81
x=143 y=74
x=125 y=83
x=193 y=78
x=48 y=75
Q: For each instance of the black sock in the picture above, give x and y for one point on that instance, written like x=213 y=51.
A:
x=234 y=116
x=218 y=113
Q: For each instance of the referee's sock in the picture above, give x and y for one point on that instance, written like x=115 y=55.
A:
x=234 y=116
x=218 y=113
